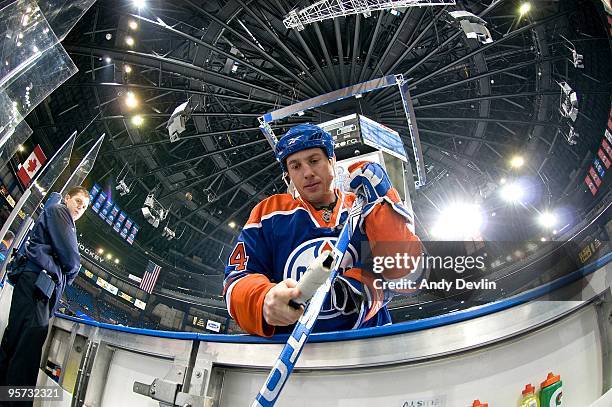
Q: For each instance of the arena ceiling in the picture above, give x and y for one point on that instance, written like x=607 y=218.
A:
x=476 y=104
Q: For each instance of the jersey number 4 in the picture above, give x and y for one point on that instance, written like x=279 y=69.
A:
x=239 y=259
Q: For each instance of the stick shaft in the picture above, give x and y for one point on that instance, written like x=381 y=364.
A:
x=293 y=348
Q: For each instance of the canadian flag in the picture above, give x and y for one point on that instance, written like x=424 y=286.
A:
x=30 y=167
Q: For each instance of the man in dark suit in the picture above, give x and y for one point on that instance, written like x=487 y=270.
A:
x=51 y=261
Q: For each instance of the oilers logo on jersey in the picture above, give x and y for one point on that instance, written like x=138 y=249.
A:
x=303 y=255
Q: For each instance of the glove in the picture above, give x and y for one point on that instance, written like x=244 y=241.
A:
x=345 y=297
x=371 y=179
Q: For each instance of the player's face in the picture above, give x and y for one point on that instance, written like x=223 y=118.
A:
x=76 y=205
x=312 y=174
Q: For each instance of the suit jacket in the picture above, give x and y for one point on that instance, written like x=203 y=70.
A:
x=53 y=247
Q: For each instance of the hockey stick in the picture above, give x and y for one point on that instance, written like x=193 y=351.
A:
x=293 y=348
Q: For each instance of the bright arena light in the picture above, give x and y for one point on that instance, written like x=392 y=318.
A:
x=127 y=68
x=130 y=100
x=517 y=161
x=133 y=25
x=139 y=3
x=137 y=120
x=459 y=222
x=524 y=8
x=547 y=220
x=129 y=41
x=513 y=192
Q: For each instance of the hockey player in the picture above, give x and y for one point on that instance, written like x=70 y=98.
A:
x=285 y=233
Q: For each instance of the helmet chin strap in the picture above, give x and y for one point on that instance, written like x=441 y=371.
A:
x=333 y=164
x=290 y=186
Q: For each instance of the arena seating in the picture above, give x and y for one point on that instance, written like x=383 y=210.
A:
x=80 y=301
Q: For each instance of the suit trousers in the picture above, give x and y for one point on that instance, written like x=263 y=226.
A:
x=25 y=335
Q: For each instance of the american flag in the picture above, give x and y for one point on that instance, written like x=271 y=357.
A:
x=150 y=277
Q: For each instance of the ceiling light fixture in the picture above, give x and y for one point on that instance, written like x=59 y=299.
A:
x=524 y=8
x=130 y=100
x=547 y=220
x=460 y=221
x=513 y=192
x=137 y=120
x=517 y=161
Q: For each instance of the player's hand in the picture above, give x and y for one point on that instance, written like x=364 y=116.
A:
x=276 y=309
x=370 y=179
